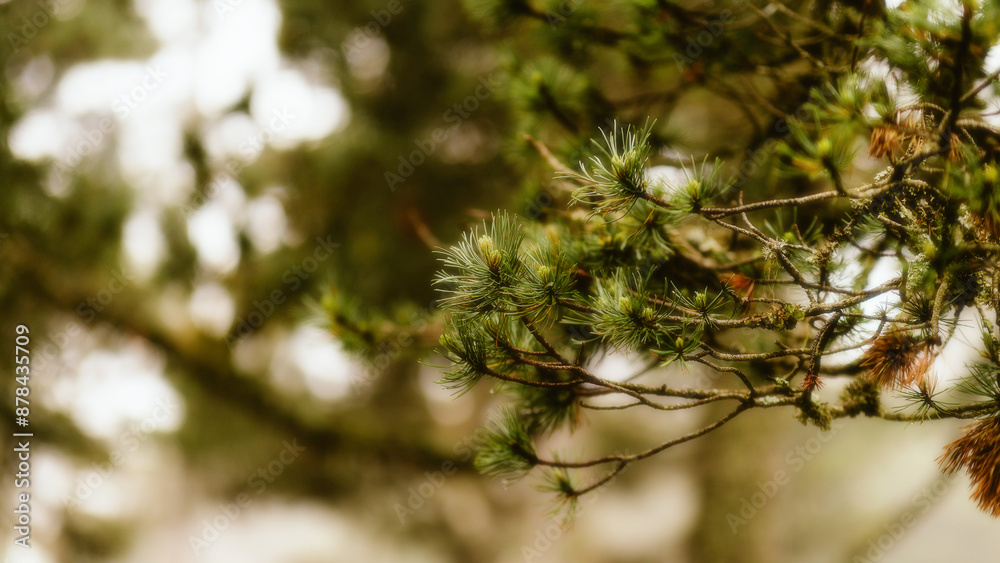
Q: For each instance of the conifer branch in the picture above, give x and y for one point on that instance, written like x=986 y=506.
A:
x=676 y=269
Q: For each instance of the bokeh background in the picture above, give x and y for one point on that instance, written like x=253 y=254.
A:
x=188 y=186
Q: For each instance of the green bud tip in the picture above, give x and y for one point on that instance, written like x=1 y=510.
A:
x=824 y=147
x=486 y=245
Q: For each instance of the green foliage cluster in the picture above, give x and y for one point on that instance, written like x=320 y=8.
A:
x=766 y=277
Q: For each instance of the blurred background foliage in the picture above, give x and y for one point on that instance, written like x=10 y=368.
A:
x=716 y=77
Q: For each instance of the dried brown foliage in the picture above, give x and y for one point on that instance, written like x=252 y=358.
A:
x=896 y=360
x=978 y=452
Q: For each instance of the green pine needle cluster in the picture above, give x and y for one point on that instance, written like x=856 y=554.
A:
x=616 y=178
x=505 y=448
x=841 y=234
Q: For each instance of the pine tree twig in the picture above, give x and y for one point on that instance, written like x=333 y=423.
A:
x=722 y=212
x=980 y=87
x=939 y=296
x=776 y=247
x=856 y=48
x=948 y=126
x=545 y=343
x=626 y=459
x=731 y=369
x=788 y=40
x=550 y=158
x=531 y=382
x=810 y=22
x=683 y=406
x=422 y=230
x=820 y=308
x=819 y=344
